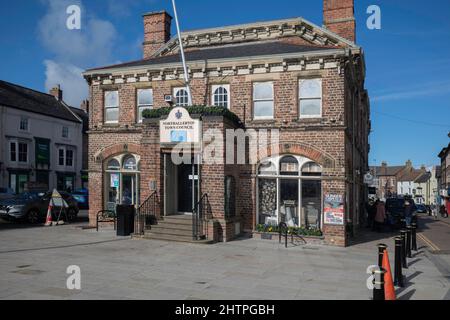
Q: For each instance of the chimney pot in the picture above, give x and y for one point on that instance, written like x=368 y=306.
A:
x=57 y=92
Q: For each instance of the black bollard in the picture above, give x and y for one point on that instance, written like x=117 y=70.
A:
x=398 y=276
x=413 y=236
x=408 y=241
x=378 y=284
x=381 y=248
x=403 y=223
x=403 y=236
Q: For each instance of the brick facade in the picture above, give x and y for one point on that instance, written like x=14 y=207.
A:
x=338 y=140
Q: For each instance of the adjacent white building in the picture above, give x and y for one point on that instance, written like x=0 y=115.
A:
x=41 y=140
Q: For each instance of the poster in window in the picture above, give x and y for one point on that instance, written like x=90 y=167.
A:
x=333 y=209
x=114 y=180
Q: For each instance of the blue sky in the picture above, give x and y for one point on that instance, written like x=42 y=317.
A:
x=408 y=60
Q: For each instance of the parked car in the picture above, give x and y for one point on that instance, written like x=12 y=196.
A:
x=6 y=193
x=82 y=198
x=32 y=206
x=421 y=208
x=396 y=211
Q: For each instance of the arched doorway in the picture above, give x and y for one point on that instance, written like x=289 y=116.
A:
x=289 y=189
x=122 y=175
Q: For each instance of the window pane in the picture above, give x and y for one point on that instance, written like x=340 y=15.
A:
x=289 y=201
x=23 y=151
x=69 y=158
x=311 y=88
x=310 y=107
x=61 y=157
x=130 y=163
x=221 y=97
x=113 y=164
x=181 y=98
x=112 y=114
x=289 y=166
x=263 y=109
x=267 y=196
x=267 y=168
x=13 y=151
x=111 y=98
x=140 y=112
x=311 y=203
x=263 y=90
x=145 y=97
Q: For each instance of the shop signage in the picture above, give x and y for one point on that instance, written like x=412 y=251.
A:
x=368 y=178
x=179 y=127
x=334 y=209
x=42 y=151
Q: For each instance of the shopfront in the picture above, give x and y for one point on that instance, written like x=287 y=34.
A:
x=290 y=191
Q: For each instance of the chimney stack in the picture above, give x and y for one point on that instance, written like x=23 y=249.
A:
x=85 y=106
x=156 y=31
x=57 y=92
x=339 y=17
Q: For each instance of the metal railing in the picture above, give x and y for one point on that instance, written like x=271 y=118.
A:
x=200 y=215
x=146 y=214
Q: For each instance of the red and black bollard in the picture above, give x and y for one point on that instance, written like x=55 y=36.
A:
x=381 y=248
x=408 y=241
x=398 y=276
x=403 y=236
x=413 y=236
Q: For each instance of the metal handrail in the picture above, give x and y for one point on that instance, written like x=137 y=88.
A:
x=145 y=214
x=199 y=218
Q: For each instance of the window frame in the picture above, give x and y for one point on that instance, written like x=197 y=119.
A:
x=62 y=132
x=65 y=150
x=17 y=152
x=143 y=106
x=214 y=88
x=26 y=120
x=106 y=107
x=300 y=98
x=254 y=99
x=175 y=92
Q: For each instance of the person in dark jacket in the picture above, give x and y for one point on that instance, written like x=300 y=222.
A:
x=371 y=211
x=409 y=211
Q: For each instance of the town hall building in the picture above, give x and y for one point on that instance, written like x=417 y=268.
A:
x=301 y=83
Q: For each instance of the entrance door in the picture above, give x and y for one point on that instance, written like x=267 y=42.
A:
x=187 y=187
x=129 y=185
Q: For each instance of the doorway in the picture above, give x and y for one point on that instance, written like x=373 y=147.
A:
x=181 y=187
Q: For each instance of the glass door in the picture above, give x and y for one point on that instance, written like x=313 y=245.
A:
x=129 y=189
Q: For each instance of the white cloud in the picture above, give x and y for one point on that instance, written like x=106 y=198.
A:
x=74 y=50
x=424 y=90
x=68 y=76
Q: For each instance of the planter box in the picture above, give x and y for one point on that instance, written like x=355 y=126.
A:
x=274 y=236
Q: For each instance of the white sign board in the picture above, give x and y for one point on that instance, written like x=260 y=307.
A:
x=179 y=127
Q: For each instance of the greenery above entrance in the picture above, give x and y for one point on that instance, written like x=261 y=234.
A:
x=301 y=231
x=200 y=110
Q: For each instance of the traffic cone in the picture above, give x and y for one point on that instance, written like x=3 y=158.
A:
x=48 y=220
x=389 y=290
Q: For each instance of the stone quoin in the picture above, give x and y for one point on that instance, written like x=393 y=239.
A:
x=291 y=75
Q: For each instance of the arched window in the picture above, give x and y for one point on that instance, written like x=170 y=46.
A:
x=113 y=164
x=181 y=98
x=311 y=169
x=289 y=166
x=129 y=163
x=221 y=96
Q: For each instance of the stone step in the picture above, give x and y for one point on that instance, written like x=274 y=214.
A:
x=179 y=219
x=170 y=231
x=177 y=238
x=168 y=225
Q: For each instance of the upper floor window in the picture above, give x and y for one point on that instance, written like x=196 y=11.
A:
x=65 y=156
x=23 y=124
x=181 y=97
x=263 y=100
x=221 y=95
x=65 y=132
x=144 y=101
x=18 y=151
x=310 y=98
x=111 y=106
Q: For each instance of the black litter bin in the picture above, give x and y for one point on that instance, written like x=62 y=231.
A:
x=125 y=220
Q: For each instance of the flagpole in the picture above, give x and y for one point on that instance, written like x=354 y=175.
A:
x=183 y=60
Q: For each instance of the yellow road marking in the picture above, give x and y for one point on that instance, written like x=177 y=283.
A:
x=428 y=242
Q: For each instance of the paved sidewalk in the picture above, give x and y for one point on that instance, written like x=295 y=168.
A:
x=33 y=264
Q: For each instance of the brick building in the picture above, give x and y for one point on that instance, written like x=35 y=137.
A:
x=291 y=75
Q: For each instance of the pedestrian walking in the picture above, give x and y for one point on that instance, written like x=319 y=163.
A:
x=380 y=216
x=435 y=210
x=371 y=211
